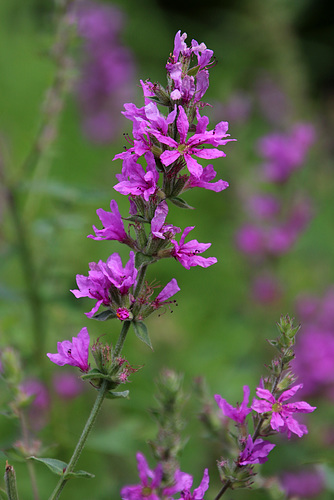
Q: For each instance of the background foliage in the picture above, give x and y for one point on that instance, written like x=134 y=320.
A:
x=217 y=330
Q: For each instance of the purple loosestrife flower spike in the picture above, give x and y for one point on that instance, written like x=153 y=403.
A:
x=239 y=413
x=73 y=353
x=149 y=482
x=113 y=225
x=187 y=253
x=282 y=414
x=255 y=452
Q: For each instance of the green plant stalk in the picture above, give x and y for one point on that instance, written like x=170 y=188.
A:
x=30 y=465
x=121 y=339
x=82 y=441
x=10 y=480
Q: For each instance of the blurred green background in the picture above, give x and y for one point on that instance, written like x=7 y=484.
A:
x=217 y=330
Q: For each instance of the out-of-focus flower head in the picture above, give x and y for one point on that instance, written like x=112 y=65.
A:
x=107 y=68
x=305 y=483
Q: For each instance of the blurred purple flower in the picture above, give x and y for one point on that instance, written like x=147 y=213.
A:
x=250 y=240
x=67 y=385
x=107 y=68
x=73 y=353
x=306 y=483
x=34 y=387
x=282 y=414
x=266 y=289
x=255 y=452
x=285 y=153
x=264 y=206
x=240 y=412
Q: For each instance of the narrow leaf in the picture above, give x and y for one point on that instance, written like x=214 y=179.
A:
x=56 y=466
x=117 y=395
x=142 y=332
x=104 y=315
x=179 y=202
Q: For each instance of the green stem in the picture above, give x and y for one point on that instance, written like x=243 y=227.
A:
x=10 y=480
x=121 y=339
x=29 y=274
x=82 y=441
x=140 y=279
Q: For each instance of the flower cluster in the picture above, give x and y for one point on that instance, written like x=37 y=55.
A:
x=151 y=487
x=168 y=145
x=275 y=225
x=271 y=413
x=314 y=362
x=107 y=68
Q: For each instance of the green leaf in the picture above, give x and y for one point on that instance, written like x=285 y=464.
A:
x=142 y=332
x=117 y=395
x=94 y=374
x=81 y=473
x=142 y=259
x=179 y=202
x=136 y=218
x=58 y=467
x=104 y=315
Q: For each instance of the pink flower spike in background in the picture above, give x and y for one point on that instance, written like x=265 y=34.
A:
x=240 y=412
x=255 y=452
x=73 y=353
x=282 y=414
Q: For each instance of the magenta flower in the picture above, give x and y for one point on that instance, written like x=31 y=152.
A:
x=68 y=385
x=166 y=293
x=183 y=483
x=204 y=181
x=255 y=452
x=282 y=414
x=140 y=183
x=187 y=253
x=240 y=412
x=104 y=277
x=150 y=481
x=158 y=227
x=73 y=353
x=122 y=313
x=305 y=483
x=113 y=225
x=122 y=278
x=95 y=286
x=193 y=146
